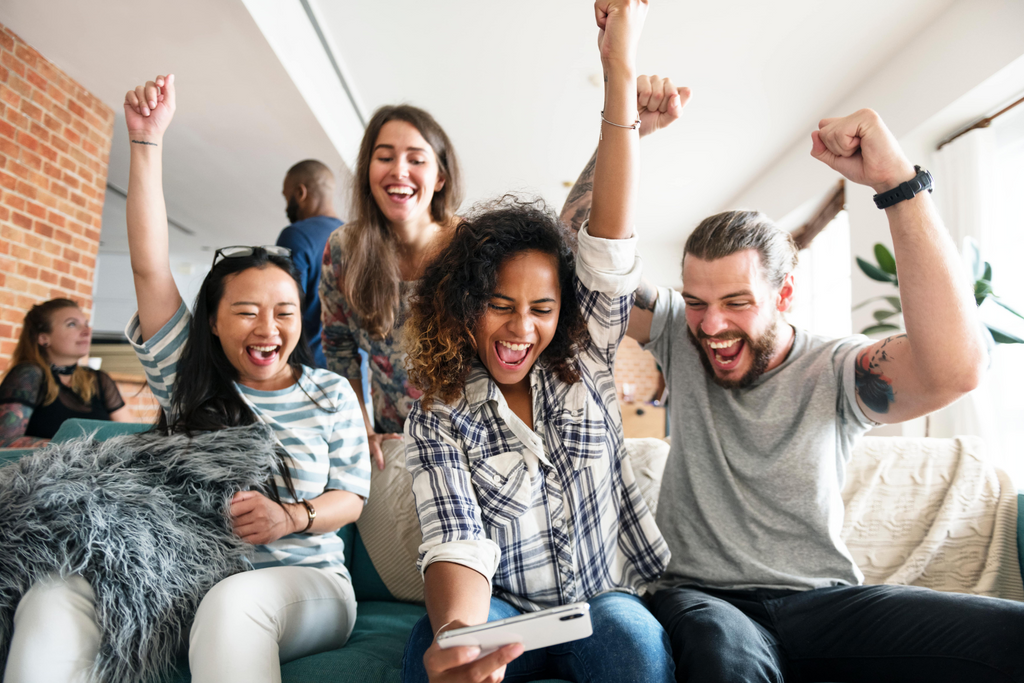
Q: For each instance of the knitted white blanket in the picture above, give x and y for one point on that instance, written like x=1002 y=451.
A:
x=933 y=513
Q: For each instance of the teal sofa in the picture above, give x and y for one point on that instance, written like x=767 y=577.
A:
x=373 y=654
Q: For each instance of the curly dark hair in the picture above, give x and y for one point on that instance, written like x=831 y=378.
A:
x=453 y=293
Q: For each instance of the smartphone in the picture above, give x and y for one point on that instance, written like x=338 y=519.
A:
x=534 y=630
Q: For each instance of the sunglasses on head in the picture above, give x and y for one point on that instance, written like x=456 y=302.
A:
x=241 y=251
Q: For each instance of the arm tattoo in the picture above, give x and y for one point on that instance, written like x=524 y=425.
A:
x=874 y=388
x=14 y=419
x=646 y=296
x=577 y=205
x=143 y=142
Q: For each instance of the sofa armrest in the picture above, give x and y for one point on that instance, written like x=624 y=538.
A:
x=8 y=455
x=1020 y=532
x=76 y=428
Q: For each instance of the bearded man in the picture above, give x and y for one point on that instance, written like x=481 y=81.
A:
x=764 y=418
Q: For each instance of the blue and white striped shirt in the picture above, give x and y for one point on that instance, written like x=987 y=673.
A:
x=327 y=448
x=551 y=515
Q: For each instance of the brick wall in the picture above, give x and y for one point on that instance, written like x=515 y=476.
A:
x=137 y=397
x=54 y=148
x=635 y=366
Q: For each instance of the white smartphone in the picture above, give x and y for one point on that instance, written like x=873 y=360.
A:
x=534 y=630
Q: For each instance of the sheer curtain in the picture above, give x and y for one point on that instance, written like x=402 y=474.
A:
x=979 y=181
x=964 y=170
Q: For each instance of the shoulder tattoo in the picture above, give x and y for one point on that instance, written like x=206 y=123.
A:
x=872 y=386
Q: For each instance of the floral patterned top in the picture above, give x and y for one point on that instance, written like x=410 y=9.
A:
x=343 y=334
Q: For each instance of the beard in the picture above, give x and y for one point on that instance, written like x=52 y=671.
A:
x=292 y=210
x=761 y=351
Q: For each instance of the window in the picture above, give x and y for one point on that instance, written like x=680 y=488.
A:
x=823 y=285
x=1004 y=250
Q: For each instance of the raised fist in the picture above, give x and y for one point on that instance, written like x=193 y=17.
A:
x=861 y=148
x=149 y=108
x=620 y=23
x=659 y=103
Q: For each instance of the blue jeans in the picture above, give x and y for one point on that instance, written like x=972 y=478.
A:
x=627 y=645
x=874 y=634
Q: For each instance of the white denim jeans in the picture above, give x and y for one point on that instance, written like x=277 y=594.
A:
x=246 y=626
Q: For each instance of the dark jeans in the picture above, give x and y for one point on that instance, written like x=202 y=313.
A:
x=862 y=633
x=627 y=646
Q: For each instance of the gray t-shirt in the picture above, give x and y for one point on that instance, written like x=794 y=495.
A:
x=751 y=492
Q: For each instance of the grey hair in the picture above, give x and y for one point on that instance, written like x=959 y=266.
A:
x=728 y=232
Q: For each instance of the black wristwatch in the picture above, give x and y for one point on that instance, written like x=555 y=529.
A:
x=915 y=186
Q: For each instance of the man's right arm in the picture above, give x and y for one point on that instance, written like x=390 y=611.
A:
x=642 y=314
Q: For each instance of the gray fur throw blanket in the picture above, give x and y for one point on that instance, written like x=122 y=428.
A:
x=143 y=518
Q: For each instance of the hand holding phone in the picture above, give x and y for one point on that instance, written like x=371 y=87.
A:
x=534 y=630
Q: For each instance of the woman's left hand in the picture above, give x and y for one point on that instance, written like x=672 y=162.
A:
x=258 y=520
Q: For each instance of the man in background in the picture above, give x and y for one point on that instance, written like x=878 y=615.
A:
x=309 y=191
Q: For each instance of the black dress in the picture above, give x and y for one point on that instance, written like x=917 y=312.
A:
x=26 y=384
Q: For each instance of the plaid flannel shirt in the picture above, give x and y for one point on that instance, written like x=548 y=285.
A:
x=551 y=515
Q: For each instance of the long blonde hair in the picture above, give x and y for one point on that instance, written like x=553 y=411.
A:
x=369 y=249
x=39 y=320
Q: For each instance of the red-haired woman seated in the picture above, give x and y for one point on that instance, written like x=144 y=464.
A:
x=46 y=386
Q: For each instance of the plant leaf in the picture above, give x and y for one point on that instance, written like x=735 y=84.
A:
x=988 y=272
x=881 y=328
x=1002 y=337
x=1006 y=306
x=885 y=259
x=894 y=301
x=874 y=272
x=982 y=289
x=883 y=314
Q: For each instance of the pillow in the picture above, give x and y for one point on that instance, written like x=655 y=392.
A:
x=390 y=528
x=648 y=458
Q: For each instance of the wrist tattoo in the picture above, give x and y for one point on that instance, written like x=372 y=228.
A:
x=874 y=388
x=143 y=142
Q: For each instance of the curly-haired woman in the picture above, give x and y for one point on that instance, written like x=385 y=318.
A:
x=519 y=471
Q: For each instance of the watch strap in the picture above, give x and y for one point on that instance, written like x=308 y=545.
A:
x=908 y=190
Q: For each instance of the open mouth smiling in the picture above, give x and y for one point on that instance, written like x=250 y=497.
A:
x=511 y=355
x=725 y=352
x=399 y=193
x=263 y=354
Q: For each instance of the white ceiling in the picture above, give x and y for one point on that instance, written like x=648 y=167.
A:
x=513 y=84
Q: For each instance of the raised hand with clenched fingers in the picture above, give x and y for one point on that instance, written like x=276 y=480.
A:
x=659 y=102
x=860 y=147
x=149 y=108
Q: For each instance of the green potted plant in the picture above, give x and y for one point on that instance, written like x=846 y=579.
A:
x=890 y=319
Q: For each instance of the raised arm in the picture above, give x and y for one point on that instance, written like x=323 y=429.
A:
x=942 y=355
x=148 y=111
x=659 y=103
x=617 y=167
